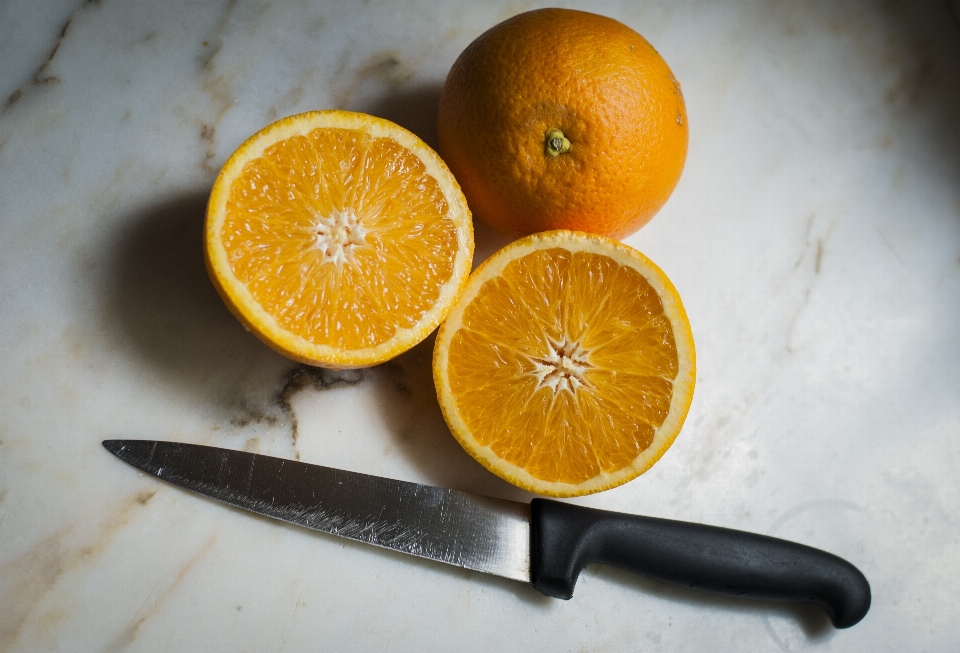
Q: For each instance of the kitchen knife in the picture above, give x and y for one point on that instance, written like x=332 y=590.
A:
x=546 y=543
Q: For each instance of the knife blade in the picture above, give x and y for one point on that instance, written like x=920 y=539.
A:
x=545 y=543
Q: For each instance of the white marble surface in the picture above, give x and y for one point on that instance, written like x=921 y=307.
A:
x=814 y=236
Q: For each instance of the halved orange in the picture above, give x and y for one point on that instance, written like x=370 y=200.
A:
x=338 y=238
x=567 y=366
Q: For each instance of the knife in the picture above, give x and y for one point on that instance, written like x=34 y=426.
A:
x=545 y=543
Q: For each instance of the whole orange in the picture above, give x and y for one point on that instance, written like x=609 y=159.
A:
x=563 y=119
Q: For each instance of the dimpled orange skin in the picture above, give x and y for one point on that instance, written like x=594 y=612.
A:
x=597 y=81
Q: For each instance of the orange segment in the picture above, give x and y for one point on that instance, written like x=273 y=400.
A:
x=338 y=238
x=567 y=367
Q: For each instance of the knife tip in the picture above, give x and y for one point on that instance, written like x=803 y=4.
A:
x=113 y=446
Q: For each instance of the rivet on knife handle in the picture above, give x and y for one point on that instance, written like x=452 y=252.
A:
x=565 y=538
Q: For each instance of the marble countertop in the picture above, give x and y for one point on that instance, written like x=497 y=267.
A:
x=814 y=237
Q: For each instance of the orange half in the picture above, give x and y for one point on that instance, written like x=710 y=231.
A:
x=339 y=239
x=567 y=367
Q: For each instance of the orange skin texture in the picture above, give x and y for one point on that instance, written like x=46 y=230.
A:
x=593 y=78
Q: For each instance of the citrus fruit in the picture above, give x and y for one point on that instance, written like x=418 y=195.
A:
x=563 y=119
x=339 y=239
x=567 y=366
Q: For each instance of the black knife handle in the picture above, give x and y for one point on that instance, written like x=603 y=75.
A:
x=565 y=538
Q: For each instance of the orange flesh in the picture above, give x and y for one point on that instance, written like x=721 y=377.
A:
x=558 y=378
x=319 y=230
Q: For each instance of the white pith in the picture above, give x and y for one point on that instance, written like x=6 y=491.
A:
x=339 y=235
x=563 y=367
